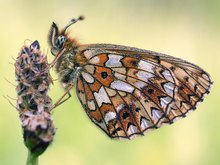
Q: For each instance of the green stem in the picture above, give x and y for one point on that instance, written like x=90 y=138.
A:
x=32 y=159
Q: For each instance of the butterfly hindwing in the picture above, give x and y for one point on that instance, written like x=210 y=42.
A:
x=126 y=91
x=121 y=114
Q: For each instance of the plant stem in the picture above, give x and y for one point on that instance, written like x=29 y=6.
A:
x=32 y=159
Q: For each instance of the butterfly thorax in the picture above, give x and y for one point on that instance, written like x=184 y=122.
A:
x=70 y=63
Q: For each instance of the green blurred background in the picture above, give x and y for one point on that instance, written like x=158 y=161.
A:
x=189 y=29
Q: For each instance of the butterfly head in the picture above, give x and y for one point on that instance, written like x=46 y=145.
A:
x=57 y=38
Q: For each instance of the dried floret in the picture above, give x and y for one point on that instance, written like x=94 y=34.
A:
x=33 y=102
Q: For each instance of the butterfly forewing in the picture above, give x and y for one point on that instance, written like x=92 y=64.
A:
x=126 y=91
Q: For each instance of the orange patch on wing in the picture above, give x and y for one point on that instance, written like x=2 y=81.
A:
x=95 y=86
x=80 y=85
x=96 y=115
x=130 y=62
x=102 y=59
x=105 y=80
x=89 y=94
x=106 y=108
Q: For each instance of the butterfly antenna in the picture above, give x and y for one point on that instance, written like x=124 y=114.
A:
x=27 y=40
x=72 y=21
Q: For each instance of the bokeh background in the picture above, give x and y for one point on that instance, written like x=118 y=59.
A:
x=189 y=29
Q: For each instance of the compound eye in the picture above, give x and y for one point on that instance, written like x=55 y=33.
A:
x=60 y=41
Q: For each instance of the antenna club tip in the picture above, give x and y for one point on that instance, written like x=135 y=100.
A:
x=81 y=17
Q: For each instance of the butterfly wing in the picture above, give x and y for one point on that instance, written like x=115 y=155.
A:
x=127 y=91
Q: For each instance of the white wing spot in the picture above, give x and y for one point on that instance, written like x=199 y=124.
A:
x=87 y=77
x=82 y=97
x=114 y=61
x=156 y=114
x=145 y=76
x=101 y=97
x=169 y=87
x=94 y=60
x=123 y=86
x=119 y=107
x=132 y=129
x=145 y=124
x=164 y=101
x=109 y=116
x=140 y=84
x=167 y=75
x=146 y=66
x=91 y=105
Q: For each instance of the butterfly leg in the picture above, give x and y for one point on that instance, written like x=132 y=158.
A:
x=61 y=100
x=56 y=58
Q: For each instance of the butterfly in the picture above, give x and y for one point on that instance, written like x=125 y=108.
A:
x=124 y=90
